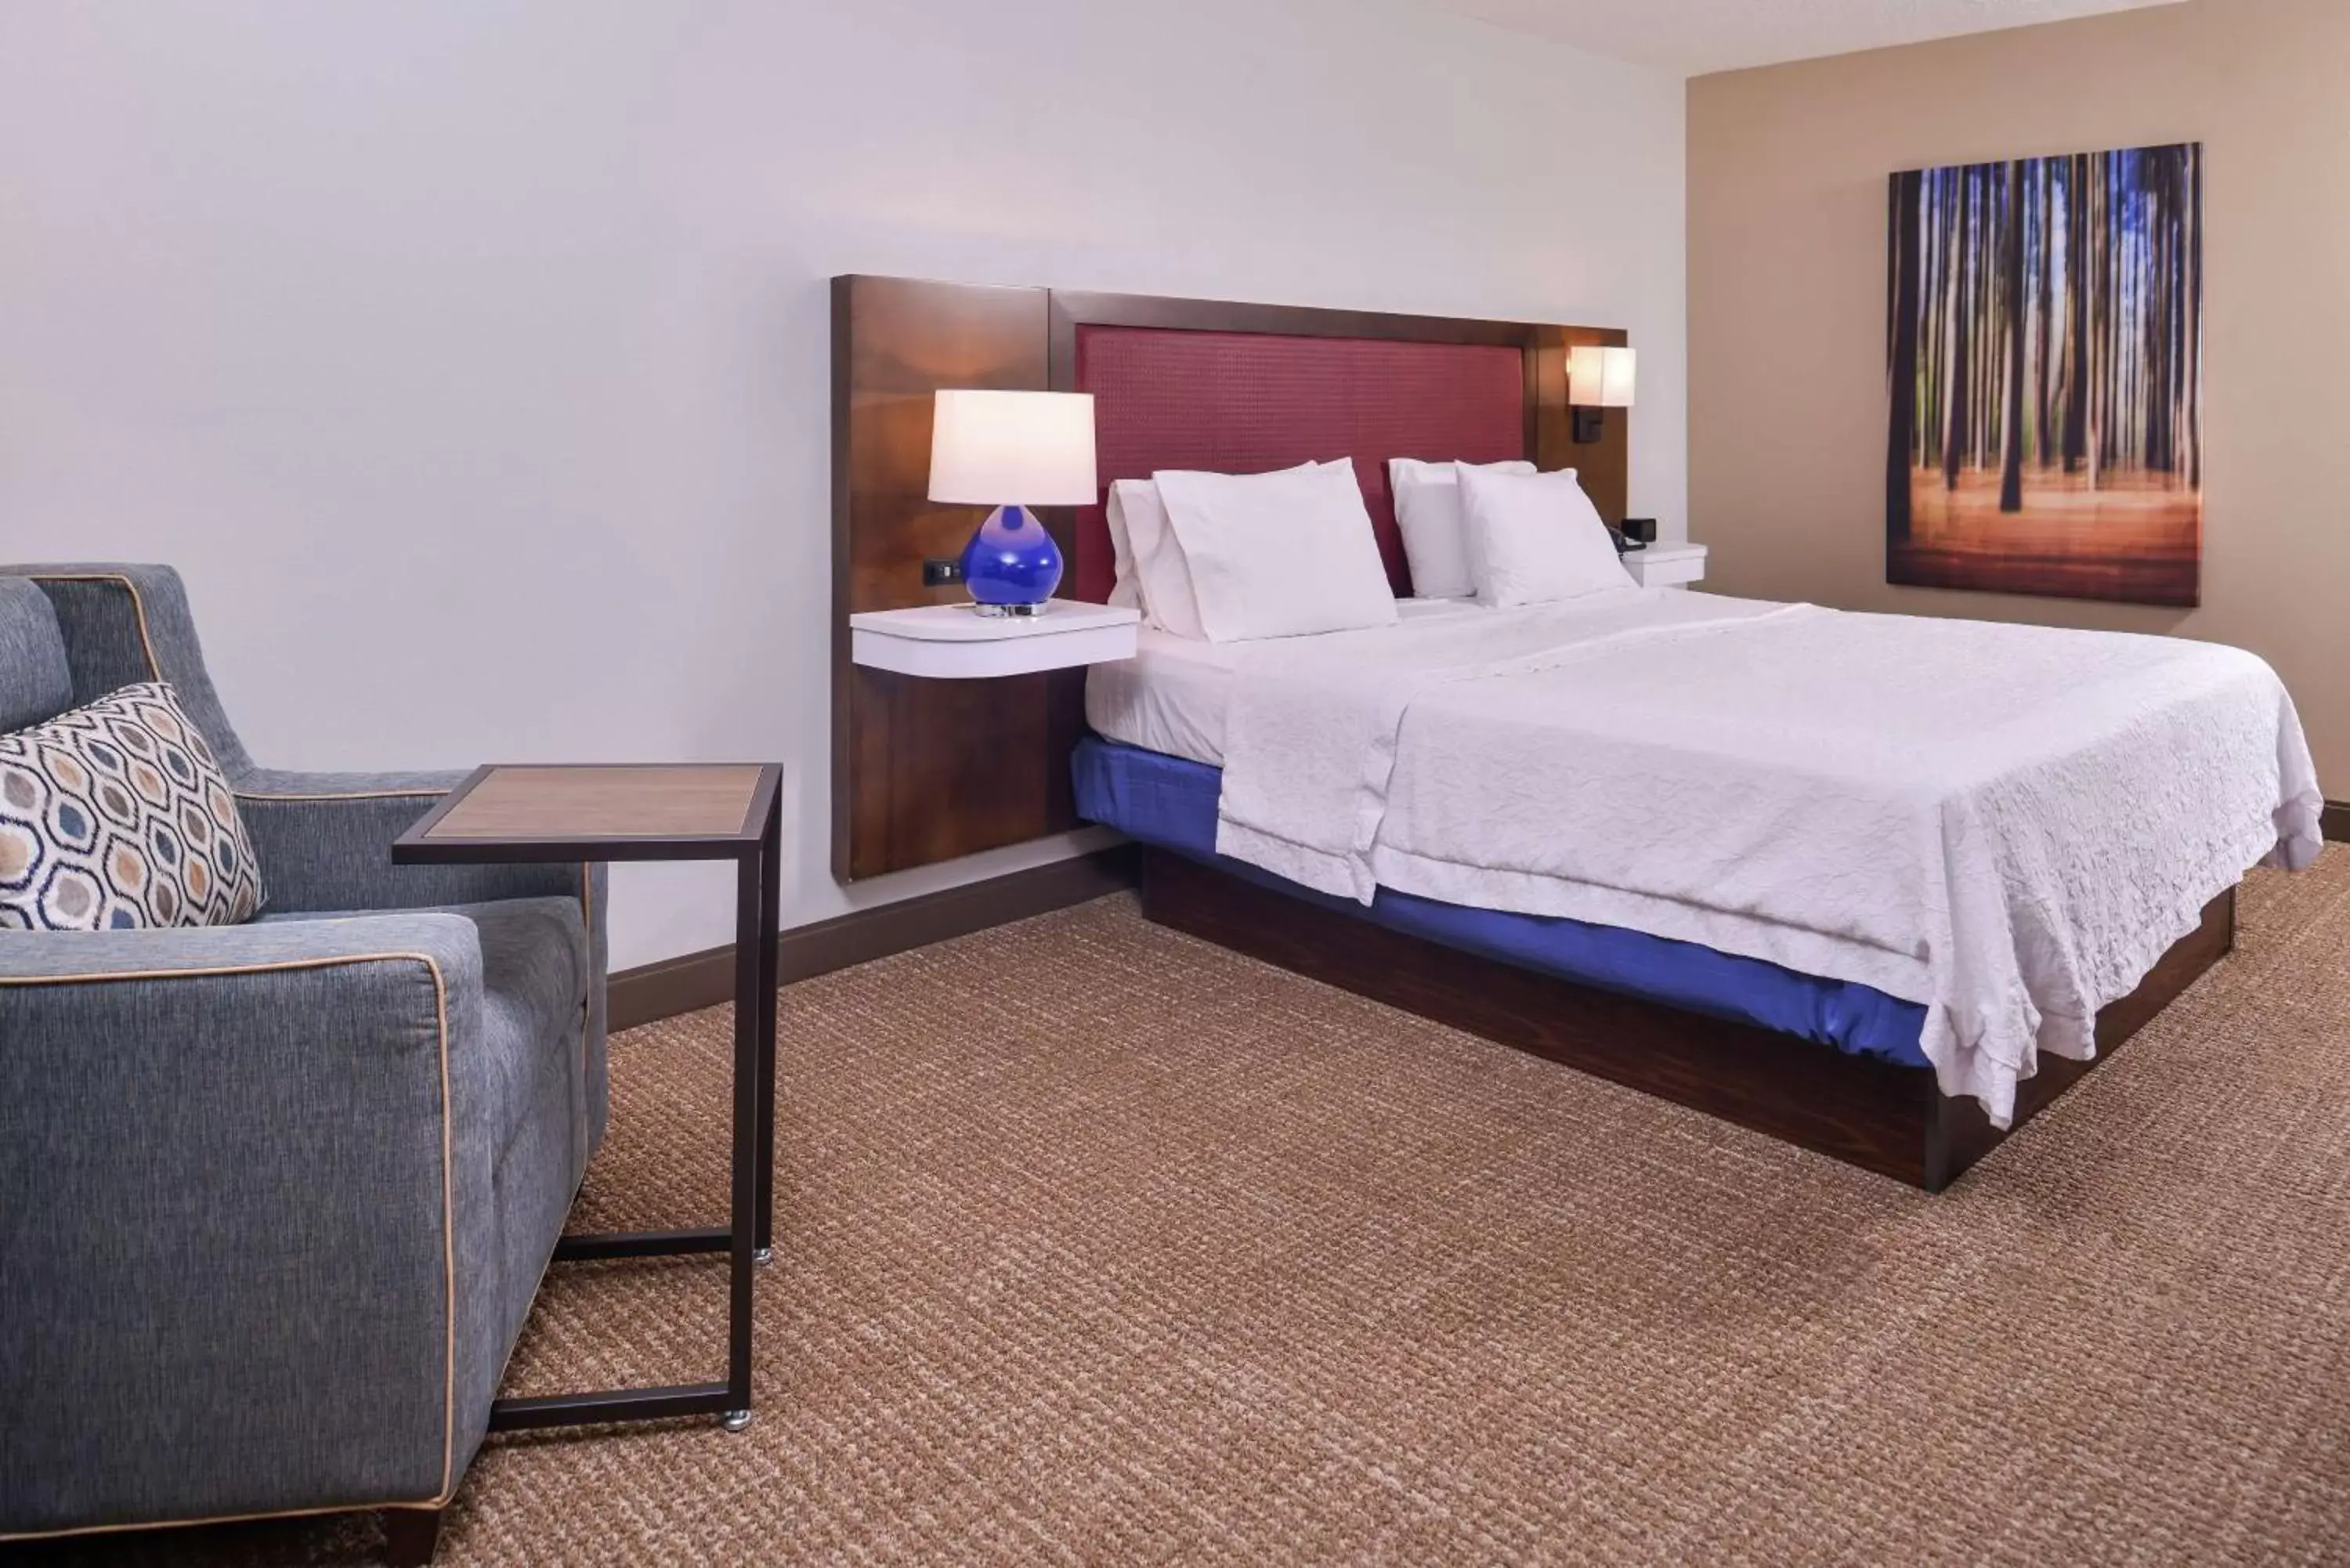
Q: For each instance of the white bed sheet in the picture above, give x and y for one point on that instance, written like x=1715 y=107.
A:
x=1171 y=696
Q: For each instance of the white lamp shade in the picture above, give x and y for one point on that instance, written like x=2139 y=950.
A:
x=1020 y=449
x=1600 y=378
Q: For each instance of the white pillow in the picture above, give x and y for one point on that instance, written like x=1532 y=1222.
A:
x=1161 y=575
x=1279 y=555
x=1428 y=511
x=1125 y=588
x=1535 y=538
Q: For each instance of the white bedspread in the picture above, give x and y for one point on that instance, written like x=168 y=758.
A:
x=2006 y=823
x=1171 y=696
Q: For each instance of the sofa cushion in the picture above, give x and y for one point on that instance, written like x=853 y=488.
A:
x=533 y=997
x=114 y=816
x=35 y=680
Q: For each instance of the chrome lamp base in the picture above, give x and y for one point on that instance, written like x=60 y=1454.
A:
x=994 y=612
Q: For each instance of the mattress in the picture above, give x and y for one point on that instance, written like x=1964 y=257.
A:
x=1169 y=801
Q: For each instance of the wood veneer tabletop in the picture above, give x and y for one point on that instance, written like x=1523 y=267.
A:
x=682 y=799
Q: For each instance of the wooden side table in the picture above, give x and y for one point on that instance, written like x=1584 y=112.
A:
x=653 y=812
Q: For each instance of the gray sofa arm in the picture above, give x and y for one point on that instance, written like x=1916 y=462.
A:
x=248 y=1228
x=323 y=843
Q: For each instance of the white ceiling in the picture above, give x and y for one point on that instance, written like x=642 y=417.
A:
x=1693 y=36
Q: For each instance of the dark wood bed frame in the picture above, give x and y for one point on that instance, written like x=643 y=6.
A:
x=1859 y=1109
x=922 y=774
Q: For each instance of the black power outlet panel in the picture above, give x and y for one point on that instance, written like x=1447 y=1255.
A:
x=941 y=573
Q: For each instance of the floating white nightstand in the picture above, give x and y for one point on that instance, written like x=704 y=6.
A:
x=950 y=642
x=1665 y=566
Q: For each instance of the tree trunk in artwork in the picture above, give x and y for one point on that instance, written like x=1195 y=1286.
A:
x=2107 y=407
x=2043 y=173
x=2193 y=264
x=1960 y=435
x=1901 y=446
x=2076 y=315
x=2011 y=483
x=2159 y=364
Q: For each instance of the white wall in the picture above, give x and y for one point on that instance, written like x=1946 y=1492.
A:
x=469 y=356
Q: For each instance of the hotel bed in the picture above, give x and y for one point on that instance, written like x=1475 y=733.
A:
x=1933 y=843
x=1880 y=885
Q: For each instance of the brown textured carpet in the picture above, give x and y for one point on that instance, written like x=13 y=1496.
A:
x=1102 y=1245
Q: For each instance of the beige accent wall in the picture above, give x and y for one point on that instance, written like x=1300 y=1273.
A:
x=1787 y=171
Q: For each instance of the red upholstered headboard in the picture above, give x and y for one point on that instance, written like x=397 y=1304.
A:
x=1237 y=402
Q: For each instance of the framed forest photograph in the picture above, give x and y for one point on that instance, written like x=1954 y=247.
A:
x=2044 y=353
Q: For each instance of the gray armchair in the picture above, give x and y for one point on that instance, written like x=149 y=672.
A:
x=274 y=1199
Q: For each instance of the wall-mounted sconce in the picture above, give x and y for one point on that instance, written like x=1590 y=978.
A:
x=1597 y=378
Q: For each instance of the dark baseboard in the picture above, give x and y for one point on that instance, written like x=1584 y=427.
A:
x=2337 y=821
x=664 y=990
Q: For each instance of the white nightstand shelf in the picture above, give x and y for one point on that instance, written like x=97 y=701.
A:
x=1665 y=566
x=950 y=642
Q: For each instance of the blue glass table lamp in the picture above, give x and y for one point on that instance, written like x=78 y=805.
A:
x=1014 y=451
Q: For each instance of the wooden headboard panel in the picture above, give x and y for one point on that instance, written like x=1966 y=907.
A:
x=921 y=771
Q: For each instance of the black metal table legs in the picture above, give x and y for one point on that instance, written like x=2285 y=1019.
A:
x=748 y=1237
x=771 y=858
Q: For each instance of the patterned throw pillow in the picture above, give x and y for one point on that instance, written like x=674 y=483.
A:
x=114 y=816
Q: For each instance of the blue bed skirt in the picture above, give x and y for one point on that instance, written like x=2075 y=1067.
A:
x=1170 y=803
